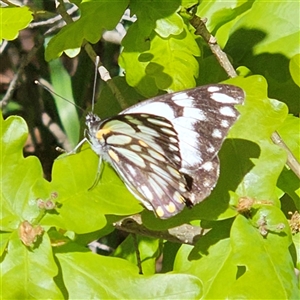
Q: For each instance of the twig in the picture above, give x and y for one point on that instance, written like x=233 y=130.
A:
x=199 y=25
x=291 y=160
x=25 y=60
x=61 y=9
x=184 y=234
x=53 y=20
x=201 y=30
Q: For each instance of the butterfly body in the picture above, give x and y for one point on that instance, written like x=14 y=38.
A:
x=165 y=148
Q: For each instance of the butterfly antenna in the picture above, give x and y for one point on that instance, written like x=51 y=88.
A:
x=52 y=92
x=95 y=81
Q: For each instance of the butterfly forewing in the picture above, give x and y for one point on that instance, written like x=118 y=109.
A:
x=165 y=148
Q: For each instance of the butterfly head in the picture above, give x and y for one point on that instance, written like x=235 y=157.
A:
x=91 y=119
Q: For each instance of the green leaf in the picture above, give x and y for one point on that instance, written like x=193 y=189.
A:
x=236 y=267
x=96 y=15
x=28 y=273
x=176 y=56
x=295 y=68
x=263 y=256
x=264 y=38
x=148 y=248
x=170 y=25
x=4 y=238
x=213 y=267
x=61 y=82
x=21 y=178
x=159 y=51
x=276 y=15
x=268 y=27
x=12 y=20
x=296 y=241
x=208 y=255
x=219 y=14
x=169 y=251
x=268 y=114
x=88 y=276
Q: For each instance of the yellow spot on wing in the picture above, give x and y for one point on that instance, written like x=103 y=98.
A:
x=101 y=132
x=159 y=211
x=113 y=155
x=143 y=143
x=170 y=207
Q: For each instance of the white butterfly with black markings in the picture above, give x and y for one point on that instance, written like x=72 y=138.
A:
x=165 y=149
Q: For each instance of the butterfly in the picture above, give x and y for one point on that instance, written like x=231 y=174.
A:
x=165 y=149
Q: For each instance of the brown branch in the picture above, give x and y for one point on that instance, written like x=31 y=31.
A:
x=199 y=25
x=184 y=234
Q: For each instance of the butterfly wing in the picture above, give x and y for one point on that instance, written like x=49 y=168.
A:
x=165 y=148
x=202 y=118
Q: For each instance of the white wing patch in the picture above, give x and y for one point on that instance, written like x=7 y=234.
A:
x=225 y=123
x=213 y=88
x=152 y=108
x=227 y=111
x=217 y=134
x=194 y=113
x=223 y=98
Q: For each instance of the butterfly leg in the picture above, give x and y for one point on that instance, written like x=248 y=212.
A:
x=98 y=175
x=74 y=151
x=78 y=146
